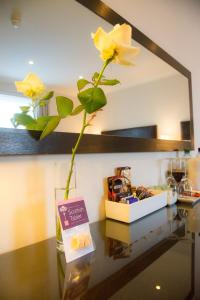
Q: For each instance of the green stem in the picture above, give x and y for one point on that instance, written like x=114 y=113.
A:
x=84 y=125
x=34 y=107
x=58 y=229
x=101 y=73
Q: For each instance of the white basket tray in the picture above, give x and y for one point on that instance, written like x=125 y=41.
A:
x=131 y=212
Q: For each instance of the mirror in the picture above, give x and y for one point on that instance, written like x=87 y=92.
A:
x=53 y=40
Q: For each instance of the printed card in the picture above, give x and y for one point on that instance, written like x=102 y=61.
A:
x=75 y=228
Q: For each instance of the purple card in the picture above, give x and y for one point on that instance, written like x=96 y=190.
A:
x=72 y=213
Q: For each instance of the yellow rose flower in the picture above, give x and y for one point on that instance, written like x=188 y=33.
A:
x=116 y=44
x=31 y=86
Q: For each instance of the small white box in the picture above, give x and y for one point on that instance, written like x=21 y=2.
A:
x=131 y=212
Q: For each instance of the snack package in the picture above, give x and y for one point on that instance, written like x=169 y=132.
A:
x=124 y=172
x=110 y=184
x=142 y=193
x=118 y=187
x=129 y=200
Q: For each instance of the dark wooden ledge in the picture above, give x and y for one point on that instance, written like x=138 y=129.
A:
x=22 y=142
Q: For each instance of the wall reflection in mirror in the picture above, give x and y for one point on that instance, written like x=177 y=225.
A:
x=53 y=40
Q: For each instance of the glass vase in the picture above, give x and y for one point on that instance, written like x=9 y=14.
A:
x=60 y=196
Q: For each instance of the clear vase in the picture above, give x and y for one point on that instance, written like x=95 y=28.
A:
x=60 y=196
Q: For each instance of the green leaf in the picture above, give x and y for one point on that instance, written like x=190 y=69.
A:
x=109 y=82
x=45 y=100
x=24 y=120
x=43 y=103
x=25 y=109
x=81 y=83
x=41 y=122
x=96 y=75
x=51 y=125
x=48 y=96
x=64 y=106
x=92 y=99
x=77 y=110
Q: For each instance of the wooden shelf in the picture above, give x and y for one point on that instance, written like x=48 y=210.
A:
x=23 y=142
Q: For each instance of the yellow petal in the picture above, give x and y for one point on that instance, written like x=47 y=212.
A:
x=31 y=86
x=107 y=53
x=103 y=42
x=121 y=34
x=21 y=86
x=34 y=81
x=126 y=54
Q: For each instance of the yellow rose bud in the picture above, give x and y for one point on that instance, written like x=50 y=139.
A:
x=31 y=87
x=116 y=44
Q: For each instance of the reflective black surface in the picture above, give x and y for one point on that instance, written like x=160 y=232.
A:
x=156 y=257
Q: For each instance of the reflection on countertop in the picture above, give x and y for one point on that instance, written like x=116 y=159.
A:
x=153 y=258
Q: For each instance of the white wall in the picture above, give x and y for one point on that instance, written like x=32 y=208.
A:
x=27 y=183
x=174 y=26
x=27 y=190
x=140 y=105
x=163 y=102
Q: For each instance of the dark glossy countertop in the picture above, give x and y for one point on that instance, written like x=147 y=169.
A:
x=157 y=257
